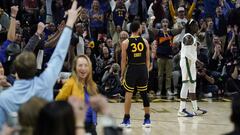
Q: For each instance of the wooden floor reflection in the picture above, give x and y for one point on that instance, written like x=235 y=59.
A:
x=165 y=121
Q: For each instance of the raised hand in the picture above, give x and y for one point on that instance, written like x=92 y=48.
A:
x=79 y=108
x=40 y=28
x=14 y=11
x=73 y=14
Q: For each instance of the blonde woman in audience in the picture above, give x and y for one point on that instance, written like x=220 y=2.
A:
x=81 y=85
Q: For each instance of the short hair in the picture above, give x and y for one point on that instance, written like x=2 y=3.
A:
x=235 y=116
x=25 y=65
x=28 y=112
x=135 y=25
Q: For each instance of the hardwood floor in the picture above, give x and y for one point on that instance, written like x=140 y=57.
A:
x=165 y=121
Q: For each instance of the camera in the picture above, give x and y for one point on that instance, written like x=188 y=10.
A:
x=115 y=68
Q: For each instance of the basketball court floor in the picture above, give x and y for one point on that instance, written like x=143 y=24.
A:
x=165 y=121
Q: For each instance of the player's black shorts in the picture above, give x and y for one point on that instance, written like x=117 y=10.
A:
x=136 y=77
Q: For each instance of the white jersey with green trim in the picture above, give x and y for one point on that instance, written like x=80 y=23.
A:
x=189 y=51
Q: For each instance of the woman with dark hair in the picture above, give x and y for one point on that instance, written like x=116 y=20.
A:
x=56 y=118
x=81 y=85
x=62 y=118
x=189 y=72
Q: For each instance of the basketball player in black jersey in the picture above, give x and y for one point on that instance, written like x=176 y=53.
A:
x=135 y=64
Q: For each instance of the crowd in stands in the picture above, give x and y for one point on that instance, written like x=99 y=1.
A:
x=104 y=24
x=45 y=50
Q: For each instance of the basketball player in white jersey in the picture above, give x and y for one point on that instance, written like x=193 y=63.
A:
x=189 y=72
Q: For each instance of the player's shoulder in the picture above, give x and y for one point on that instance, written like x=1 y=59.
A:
x=145 y=40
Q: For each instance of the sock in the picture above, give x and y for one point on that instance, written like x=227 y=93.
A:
x=147 y=116
x=126 y=116
x=194 y=104
x=182 y=105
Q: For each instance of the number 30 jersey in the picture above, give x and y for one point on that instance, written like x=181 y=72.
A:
x=136 y=50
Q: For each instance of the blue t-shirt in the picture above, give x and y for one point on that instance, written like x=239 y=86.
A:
x=119 y=16
x=3 y=56
x=95 y=23
x=91 y=115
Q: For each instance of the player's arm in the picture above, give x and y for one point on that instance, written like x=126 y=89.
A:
x=124 y=46
x=147 y=54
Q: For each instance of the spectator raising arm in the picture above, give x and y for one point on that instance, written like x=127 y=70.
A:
x=34 y=40
x=10 y=36
x=52 y=42
x=190 y=11
x=50 y=75
x=12 y=28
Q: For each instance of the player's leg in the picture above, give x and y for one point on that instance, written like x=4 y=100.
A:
x=141 y=83
x=182 y=112
x=193 y=97
x=128 y=85
x=146 y=105
x=192 y=91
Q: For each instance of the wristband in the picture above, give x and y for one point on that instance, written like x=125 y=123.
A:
x=68 y=27
x=12 y=17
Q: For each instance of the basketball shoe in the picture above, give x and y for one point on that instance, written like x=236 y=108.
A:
x=146 y=123
x=126 y=123
x=199 y=112
x=184 y=113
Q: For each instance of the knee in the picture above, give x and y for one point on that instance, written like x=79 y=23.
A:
x=192 y=88
x=145 y=99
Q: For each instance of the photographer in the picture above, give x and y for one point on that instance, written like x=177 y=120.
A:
x=206 y=83
x=111 y=84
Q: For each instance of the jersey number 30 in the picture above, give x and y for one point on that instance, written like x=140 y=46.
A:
x=137 y=47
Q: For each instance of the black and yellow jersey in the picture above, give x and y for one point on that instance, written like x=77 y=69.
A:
x=136 y=51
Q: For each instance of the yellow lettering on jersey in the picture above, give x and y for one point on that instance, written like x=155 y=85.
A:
x=137 y=47
x=134 y=47
x=137 y=55
x=140 y=47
